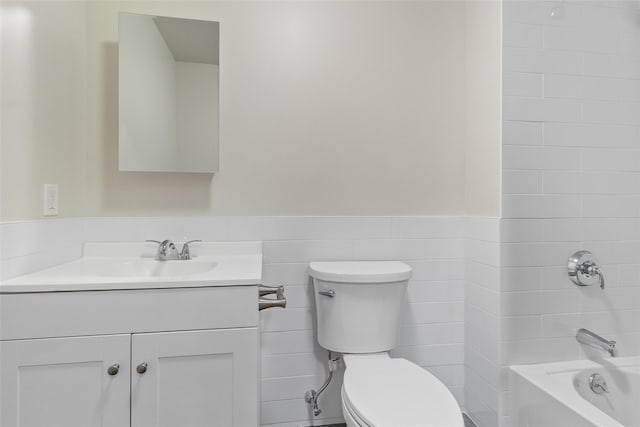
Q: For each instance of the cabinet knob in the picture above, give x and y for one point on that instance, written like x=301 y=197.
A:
x=142 y=368
x=113 y=369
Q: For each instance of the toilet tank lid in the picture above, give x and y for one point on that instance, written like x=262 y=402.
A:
x=360 y=271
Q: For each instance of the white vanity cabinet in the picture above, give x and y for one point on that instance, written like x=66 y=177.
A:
x=63 y=382
x=195 y=378
x=138 y=358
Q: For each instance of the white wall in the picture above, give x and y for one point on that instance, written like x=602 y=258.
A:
x=328 y=108
x=148 y=97
x=198 y=123
x=571 y=158
x=482 y=127
x=43 y=113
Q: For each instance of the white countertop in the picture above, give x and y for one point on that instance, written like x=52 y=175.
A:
x=109 y=266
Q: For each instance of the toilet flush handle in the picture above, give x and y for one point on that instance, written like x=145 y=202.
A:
x=330 y=293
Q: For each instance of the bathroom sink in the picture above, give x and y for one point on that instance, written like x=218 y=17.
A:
x=152 y=268
x=111 y=266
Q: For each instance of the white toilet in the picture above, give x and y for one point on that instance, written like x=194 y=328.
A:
x=358 y=307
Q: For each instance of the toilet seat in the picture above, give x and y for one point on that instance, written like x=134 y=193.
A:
x=379 y=391
x=350 y=417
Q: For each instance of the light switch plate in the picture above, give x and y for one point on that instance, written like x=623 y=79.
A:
x=50 y=199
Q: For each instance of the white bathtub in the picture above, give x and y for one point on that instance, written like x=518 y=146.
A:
x=558 y=394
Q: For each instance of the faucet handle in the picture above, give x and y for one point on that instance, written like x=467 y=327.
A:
x=185 y=253
x=153 y=241
x=192 y=241
x=583 y=269
x=598 y=271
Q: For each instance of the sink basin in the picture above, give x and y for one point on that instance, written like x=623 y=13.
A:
x=149 y=268
x=120 y=266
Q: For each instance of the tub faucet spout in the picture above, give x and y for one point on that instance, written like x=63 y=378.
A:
x=586 y=337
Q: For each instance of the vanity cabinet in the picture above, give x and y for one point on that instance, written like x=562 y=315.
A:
x=196 y=378
x=64 y=382
x=138 y=358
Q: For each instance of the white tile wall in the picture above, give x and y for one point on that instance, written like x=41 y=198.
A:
x=571 y=163
x=432 y=333
x=27 y=246
x=482 y=320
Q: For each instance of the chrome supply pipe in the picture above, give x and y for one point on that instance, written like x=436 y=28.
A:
x=311 y=396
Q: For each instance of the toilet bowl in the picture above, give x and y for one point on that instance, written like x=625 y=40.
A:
x=358 y=308
x=381 y=391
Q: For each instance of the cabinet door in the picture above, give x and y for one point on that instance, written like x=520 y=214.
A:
x=195 y=378
x=64 y=382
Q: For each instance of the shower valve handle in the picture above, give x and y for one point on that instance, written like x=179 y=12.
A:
x=583 y=269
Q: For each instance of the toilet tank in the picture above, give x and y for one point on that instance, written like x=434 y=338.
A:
x=359 y=304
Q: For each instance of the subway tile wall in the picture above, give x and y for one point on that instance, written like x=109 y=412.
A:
x=482 y=320
x=28 y=246
x=571 y=178
x=432 y=333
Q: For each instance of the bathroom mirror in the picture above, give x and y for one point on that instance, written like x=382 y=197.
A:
x=168 y=94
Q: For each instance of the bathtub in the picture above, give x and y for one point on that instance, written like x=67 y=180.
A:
x=559 y=395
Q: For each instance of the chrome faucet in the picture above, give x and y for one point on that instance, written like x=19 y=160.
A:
x=586 y=337
x=167 y=250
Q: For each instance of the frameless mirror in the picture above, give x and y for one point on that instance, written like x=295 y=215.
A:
x=168 y=94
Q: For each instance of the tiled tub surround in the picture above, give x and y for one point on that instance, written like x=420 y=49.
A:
x=432 y=334
x=571 y=178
